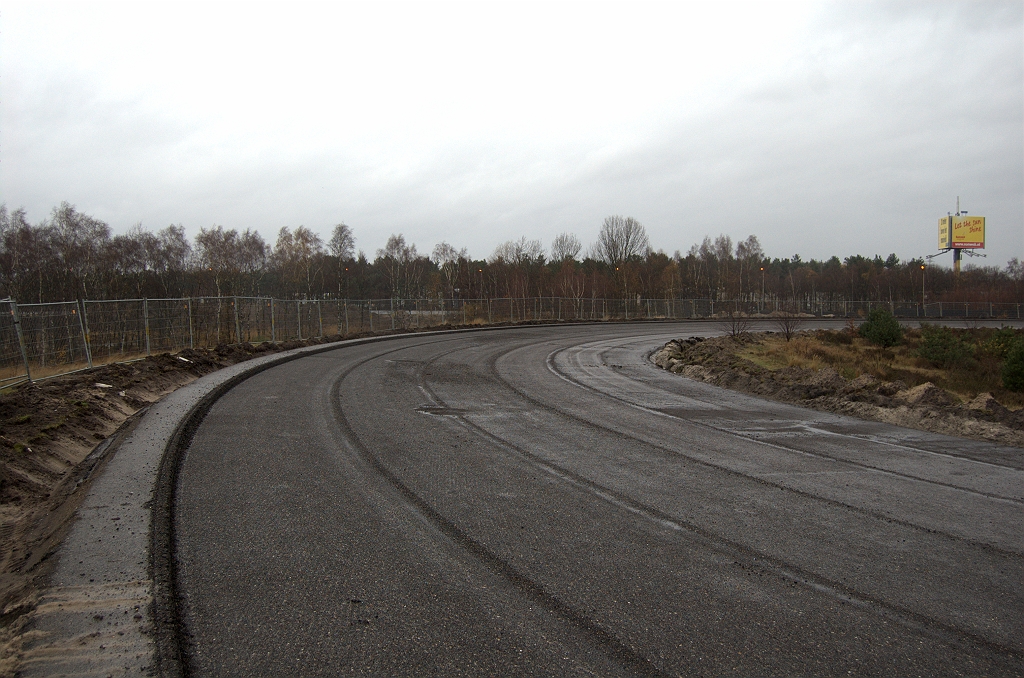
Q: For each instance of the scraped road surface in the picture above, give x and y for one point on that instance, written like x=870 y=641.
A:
x=544 y=501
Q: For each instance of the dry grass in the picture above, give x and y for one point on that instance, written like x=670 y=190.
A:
x=852 y=356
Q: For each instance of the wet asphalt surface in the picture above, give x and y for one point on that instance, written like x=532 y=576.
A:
x=545 y=501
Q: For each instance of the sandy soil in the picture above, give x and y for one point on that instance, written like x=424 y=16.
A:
x=53 y=436
x=925 y=407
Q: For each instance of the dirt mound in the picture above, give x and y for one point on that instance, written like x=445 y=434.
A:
x=927 y=394
x=51 y=435
x=926 y=406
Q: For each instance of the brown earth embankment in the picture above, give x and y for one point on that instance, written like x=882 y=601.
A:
x=724 y=361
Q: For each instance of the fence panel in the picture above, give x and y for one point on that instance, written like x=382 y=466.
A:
x=12 y=360
x=117 y=329
x=53 y=337
x=58 y=338
x=169 y=324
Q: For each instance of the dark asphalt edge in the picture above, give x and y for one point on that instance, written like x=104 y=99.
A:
x=172 y=644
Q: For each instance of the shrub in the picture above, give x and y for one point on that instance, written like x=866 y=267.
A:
x=999 y=344
x=1013 y=367
x=788 y=324
x=881 y=328
x=834 y=337
x=942 y=348
x=735 y=323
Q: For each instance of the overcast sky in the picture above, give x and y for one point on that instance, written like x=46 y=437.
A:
x=822 y=128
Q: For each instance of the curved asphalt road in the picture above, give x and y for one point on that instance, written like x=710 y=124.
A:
x=544 y=501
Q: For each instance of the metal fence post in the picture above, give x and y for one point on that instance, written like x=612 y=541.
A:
x=369 y=305
x=346 y=316
x=392 y=313
x=489 y=311
x=273 y=326
x=320 y=316
x=21 y=339
x=238 y=325
x=145 y=319
x=191 y=336
x=84 y=323
x=298 y=316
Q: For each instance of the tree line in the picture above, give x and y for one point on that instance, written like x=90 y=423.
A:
x=71 y=255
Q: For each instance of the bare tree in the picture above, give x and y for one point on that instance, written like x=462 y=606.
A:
x=621 y=239
x=447 y=259
x=571 y=283
x=216 y=254
x=77 y=240
x=299 y=255
x=342 y=245
x=519 y=252
x=724 y=259
x=565 y=246
x=26 y=258
x=174 y=259
x=253 y=254
x=749 y=255
x=133 y=256
x=402 y=266
x=511 y=262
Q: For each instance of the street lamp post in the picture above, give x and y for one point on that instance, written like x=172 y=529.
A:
x=762 y=289
x=922 y=288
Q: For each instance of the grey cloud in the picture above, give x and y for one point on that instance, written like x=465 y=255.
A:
x=857 y=146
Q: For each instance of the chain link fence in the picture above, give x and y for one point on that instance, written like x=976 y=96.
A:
x=42 y=340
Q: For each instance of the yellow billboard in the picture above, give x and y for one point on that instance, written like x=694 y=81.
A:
x=969 y=232
x=944 y=233
x=962 y=232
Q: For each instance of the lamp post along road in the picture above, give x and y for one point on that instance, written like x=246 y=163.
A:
x=922 y=287
x=762 y=289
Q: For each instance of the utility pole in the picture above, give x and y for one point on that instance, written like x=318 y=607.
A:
x=762 y=289
x=922 y=286
x=956 y=250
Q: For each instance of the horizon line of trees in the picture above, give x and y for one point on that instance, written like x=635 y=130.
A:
x=71 y=255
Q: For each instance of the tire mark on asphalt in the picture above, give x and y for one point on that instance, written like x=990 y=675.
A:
x=746 y=556
x=782 y=446
x=603 y=638
x=725 y=469
x=887 y=443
